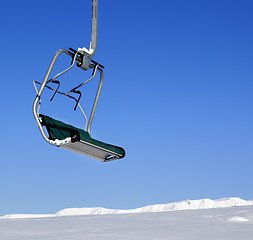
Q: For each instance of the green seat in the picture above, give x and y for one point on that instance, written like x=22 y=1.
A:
x=58 y=130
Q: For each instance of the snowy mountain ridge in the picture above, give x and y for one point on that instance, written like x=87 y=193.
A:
x=175 y=206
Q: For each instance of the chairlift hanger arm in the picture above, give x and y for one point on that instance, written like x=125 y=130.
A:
x=94 y=32
x=83 y=54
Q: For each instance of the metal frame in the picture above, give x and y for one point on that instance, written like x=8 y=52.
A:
x=37 y=101
x=82 y=57
x=81 y=146
x=94 y=32
x=86 y=55
x=92 y=151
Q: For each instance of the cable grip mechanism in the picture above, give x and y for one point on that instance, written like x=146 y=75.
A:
x=82 y=59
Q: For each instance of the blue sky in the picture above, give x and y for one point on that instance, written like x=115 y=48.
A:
x=177 y=96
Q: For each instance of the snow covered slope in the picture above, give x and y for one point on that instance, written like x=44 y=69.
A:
x=184 y=205
x=231 y=223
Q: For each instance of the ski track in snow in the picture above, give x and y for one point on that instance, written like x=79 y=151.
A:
x=204 y=223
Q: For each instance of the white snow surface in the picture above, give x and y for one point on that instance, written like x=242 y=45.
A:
x=222 y=219
x=58 y=142
x=238 y=219
x=175 y=206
